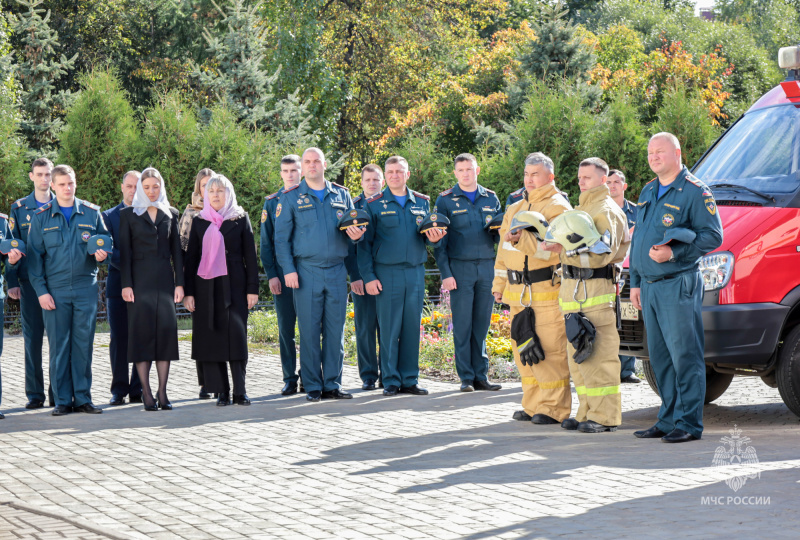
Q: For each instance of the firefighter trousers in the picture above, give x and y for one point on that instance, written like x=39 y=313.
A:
x=545 y=386
x=596 y=379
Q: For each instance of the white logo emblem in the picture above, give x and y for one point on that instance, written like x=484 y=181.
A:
x=737 y=453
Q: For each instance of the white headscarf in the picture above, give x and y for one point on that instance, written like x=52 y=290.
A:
x=141 y=202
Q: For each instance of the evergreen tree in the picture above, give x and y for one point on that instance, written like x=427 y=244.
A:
x=37 y=70
x=241 y=83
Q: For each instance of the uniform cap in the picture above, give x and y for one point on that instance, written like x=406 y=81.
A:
x=11 y=243
x=434 y=220
x=99 y=241
x=355 y=217
x=679 y=234
x=494 y=224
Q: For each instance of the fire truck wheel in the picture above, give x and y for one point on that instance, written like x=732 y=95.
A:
x=787 y=372
x=716 y=382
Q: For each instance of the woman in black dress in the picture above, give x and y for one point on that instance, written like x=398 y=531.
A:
x=152 y=282
x=221 y=276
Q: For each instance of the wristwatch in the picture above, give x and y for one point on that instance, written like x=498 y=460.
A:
x=672 y=257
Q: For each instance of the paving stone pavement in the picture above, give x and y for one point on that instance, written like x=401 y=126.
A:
x=447 y=465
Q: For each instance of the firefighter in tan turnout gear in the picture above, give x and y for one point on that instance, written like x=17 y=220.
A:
x=546 y=395
x=590 y=240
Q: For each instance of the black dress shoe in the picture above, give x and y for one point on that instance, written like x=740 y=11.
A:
x=391 y=390
x=369 y=384
x=590 y=426
x=314 y=395
x=165 y=406
x=466 y=386
x=116 y=400
x=88 y=408
x=486 y=385
x=522 y=416
x=51 y=403
x=678 y=435
x=241 y=400
x=543 y=419
x=570 y=424
x=336 y=394
x=223 y=399
x=380 y=384
x=203 y=394
x=652 y=433
x=2 y=416
x=413 y=389
x=61 y=410
x=135 y=399
x=152 y=407
x=34 y=404
x=631 y=379
x=289 y=388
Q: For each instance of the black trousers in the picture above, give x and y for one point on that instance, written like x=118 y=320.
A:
x=216 y=376
x=121 y=385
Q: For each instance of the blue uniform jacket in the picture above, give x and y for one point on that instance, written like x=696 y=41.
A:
x=268 y=259
x=515 y=196
x=306 y=229
x=351 y=262
x=19 y=222
x=466 y=239
x=5 y=233
x=392 y=236
x=631 y=210
x=56 y=251
x=688 y=203
x=113 y=282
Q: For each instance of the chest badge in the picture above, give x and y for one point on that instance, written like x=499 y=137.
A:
x=278 y=210
x=29 y=217
x=488 y=219
x=419 y=220
x=85 y=235
x=339 y=214
x=668 y=220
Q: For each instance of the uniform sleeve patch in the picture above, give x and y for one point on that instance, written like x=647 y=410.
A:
x=263 y=216
x=711 y=206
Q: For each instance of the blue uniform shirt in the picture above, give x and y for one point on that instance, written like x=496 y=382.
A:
x=392 y=236
x=5 y=233
x=688 y=204
x=466 y=238
x=56 y=250
x=306 y=229
x=19 y=222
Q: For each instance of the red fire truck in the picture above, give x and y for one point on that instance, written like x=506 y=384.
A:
x=751 y=308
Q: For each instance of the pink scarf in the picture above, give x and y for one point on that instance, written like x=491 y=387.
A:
x=212 y=263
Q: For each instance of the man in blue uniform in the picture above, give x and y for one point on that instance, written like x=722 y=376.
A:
x=465 y=257
x=281 y=294
x=616 y=189
x=666 y=285
x=391 y=260
x=19 y=286
x=64 y=277
x=515 y=196
x=7 y=260
x=311 y=250
x=121 y=384
x=366 y=315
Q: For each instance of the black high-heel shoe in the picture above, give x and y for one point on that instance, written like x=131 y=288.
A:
x=164 y=405
x=153 y=407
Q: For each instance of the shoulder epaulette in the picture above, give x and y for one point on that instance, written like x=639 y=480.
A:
x=375 y=197
x=357 y=199
x=694 y=181
x=20 y=202
x=291 y=188
x=270 y=197
x=650 y=182
x=490 y=191
x=517 y=192
x=446 y=192
x=339 y=185
x=421 y=195
x=3 y=216
x=45 y=207
x=91 y=205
